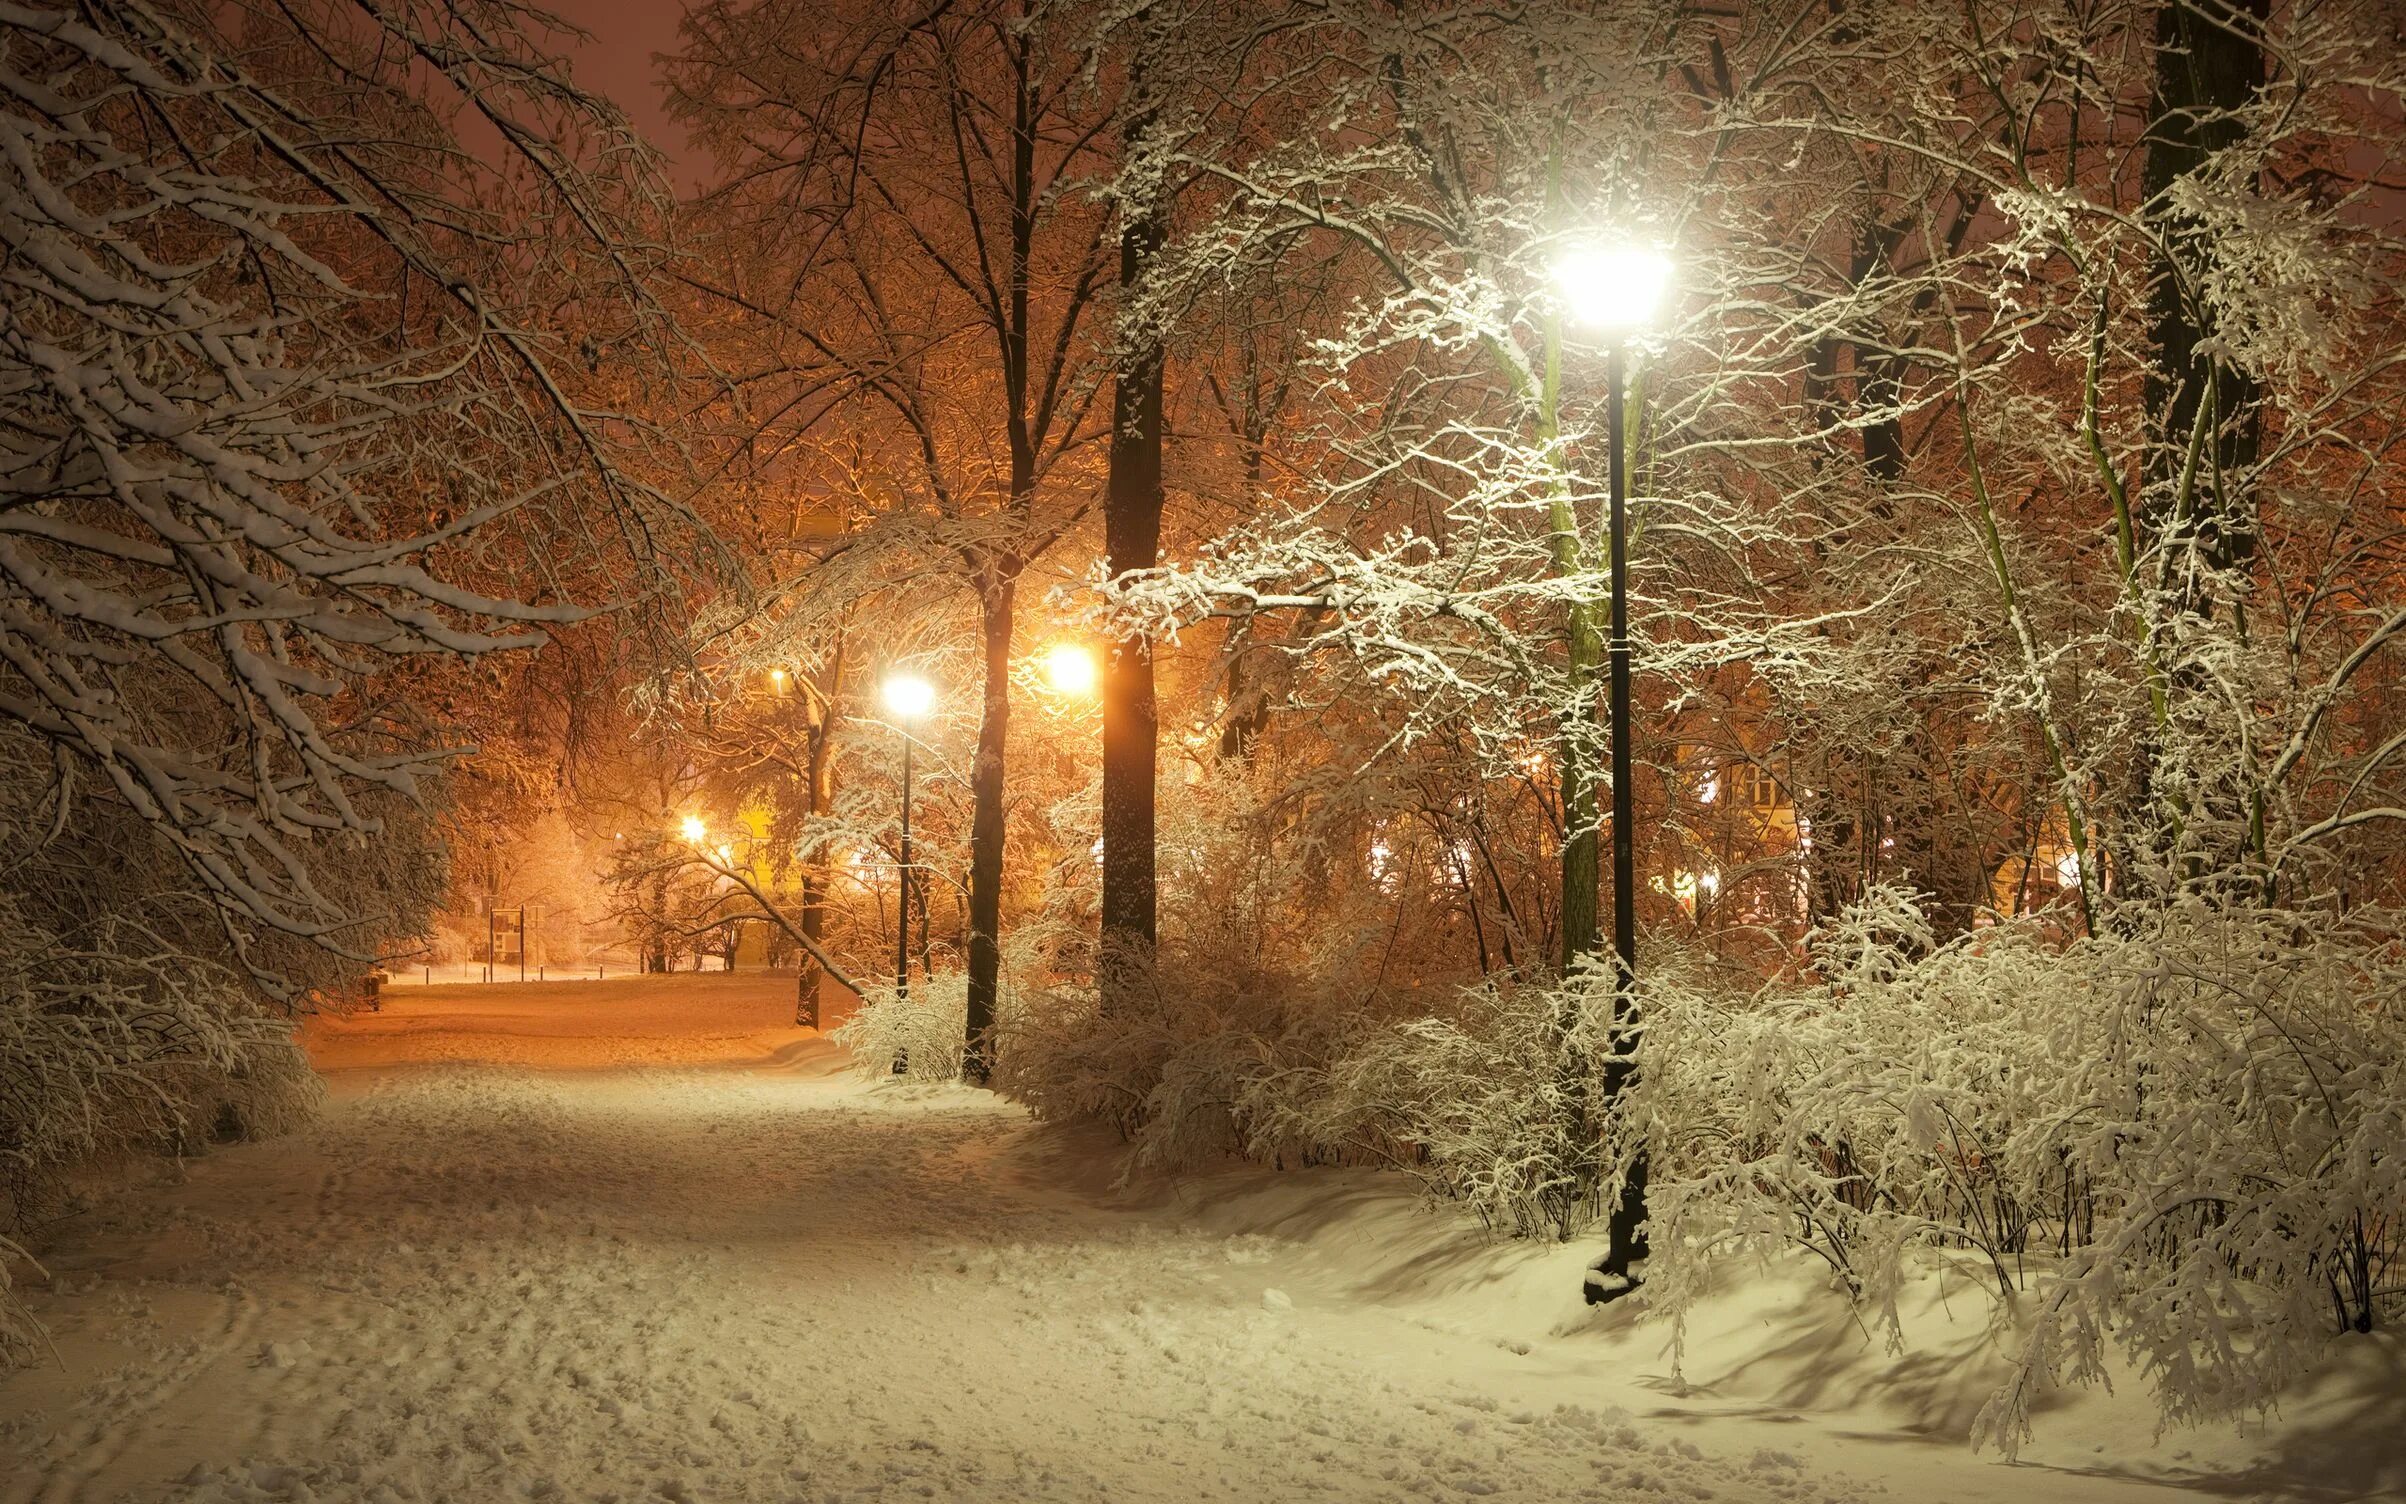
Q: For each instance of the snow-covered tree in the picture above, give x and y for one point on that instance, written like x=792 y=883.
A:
x=297 y=336
x=276 y=399
x=2012 y=496
x=920 y=265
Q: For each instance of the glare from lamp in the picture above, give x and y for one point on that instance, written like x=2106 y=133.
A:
x=908 y=696
x=1613 y=288
x=693 y=828
x=1069 y=668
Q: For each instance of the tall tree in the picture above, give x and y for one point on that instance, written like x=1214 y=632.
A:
x=273 y=406
x=929 y=258
x=1132 y=502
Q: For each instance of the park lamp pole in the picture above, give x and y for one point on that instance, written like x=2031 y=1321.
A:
x=1616 y=292
x=907 y=698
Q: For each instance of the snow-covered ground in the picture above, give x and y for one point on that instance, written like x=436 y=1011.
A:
x=642 y=1240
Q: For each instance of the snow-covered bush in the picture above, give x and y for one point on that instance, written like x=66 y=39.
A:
x=1280 y=943
x=2179 y=1137
x=1490 y=1103
x=925 y=1030
x=928 y=1030
x=113 y=1042
x=1477 y=1091
x=128 y=1018
x=1204 y=1061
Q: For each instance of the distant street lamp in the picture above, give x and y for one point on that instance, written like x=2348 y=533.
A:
x=1070 y=669
x=907 y=698
x=1616 y=292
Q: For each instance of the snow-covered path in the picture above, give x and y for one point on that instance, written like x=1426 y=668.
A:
x=692 y=1280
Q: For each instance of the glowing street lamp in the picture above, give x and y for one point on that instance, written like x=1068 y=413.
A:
x=1613 y=289
x=694 y=831
x=1070 y=669
x=1617 y=291
x=907 y=698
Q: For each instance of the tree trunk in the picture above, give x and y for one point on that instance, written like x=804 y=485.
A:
x=2208 y=66
x=996 y=600
x=998 y=587
x=1582 y=922
x=1132 y=539
x=818 y=797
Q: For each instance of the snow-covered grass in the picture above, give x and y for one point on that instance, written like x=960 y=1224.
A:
x=724 y=1267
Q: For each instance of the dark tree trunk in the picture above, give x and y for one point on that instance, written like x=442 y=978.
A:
x=818 y=797
x=2207 y=66
x=996 y=601
x=1248 y=702
x=1132 y=538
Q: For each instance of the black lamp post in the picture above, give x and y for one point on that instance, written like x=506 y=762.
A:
x=908 y=697
x=1616 y=291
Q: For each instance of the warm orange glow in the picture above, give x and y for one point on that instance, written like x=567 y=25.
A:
x=909 y=696
x=1687 y=887
x=694 y=829
x=1070 y=669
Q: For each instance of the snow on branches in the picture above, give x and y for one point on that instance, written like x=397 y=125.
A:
x=271 y=411
x=2177 y=1137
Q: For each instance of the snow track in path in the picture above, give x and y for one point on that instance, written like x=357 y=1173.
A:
x=498 y=1282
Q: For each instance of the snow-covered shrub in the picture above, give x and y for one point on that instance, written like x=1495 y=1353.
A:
x=1479 y=1091
x=2180 y=1137
x=1208 y=1061
x=1300 y=1010
x=926 y=1030
x=1277 y=946
x=116 y=1044
x=1490 y=1102
x=113 y=1043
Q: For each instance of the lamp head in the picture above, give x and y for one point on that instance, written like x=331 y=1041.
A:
x=908 y=696
x=1070 y=669
x=693 y=829
x=1616 y=289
